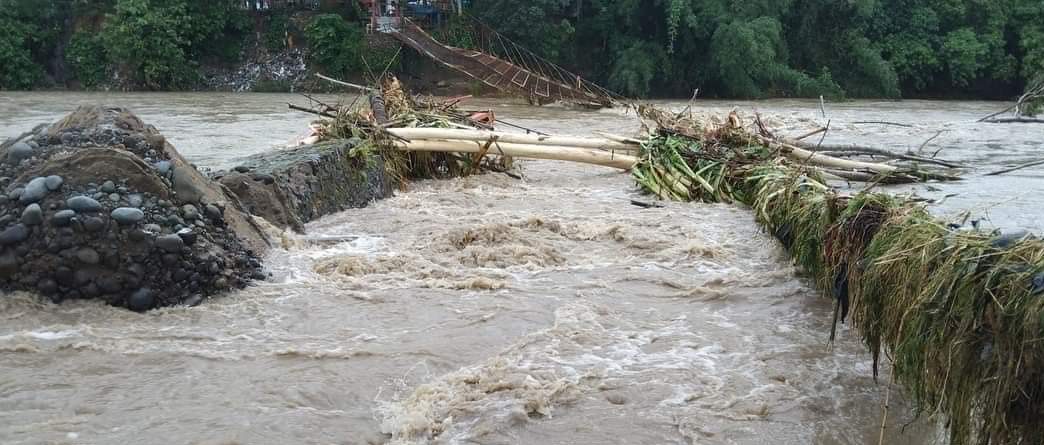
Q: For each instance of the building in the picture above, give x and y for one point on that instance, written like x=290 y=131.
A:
x=265 y=5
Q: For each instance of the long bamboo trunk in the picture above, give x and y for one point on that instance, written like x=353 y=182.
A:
x=531 y=151
x=818 y=159
x=531 y=139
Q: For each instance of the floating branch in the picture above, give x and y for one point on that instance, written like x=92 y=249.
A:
x=1024 y=108
x=1016 y=168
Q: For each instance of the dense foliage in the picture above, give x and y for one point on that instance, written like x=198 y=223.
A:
x=158 y=42
x=859 y=48
x=756 y=48
x=88 y=58
x=336 y=44
x=340 y=48
x=18 y=71
x=152 y=44
x=29 y=30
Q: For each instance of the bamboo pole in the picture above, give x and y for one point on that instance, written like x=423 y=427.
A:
x=517 y=138
x=810 y=157
x=858 y=149
x=621 y=139
x=364 y=89
x=531 y=151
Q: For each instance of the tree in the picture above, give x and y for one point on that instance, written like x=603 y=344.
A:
x=336 y=45
x=538 y=25
x=158 y=43
x=18 y=71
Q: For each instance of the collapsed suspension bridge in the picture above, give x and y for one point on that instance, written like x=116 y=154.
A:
x=497 y=61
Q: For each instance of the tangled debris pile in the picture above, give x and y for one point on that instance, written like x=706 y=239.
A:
x=389 y=107
x=428 y=138
x=959 y=311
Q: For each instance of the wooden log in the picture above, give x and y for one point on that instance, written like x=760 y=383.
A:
x=480 y=135
x=819 y=160
x=991 y=116
x=879 y=152
x=810 y=157
x=811 y=133
x=309 y=110
x=895 y=124
x=530 y=151
x=1015 y=120
x=1016 y=168
x=858 y=176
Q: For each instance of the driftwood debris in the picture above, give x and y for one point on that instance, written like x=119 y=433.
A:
x=439 y=127
x=796 y=151
x=861 y=150
x=311 y=111
x=1033 y=96
x=894 y=124
x=1017 y=120
x=1016 y=168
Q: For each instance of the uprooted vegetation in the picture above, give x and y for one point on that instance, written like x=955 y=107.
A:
x=958 y=310
x=368 y=118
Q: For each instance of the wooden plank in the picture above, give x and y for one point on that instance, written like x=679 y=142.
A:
x=547 y=88
x=503 y=68
x=488 y=80
x=514 y=79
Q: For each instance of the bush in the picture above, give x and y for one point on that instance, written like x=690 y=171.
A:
x=86 y=55
x=635 y=68
x=965 y=56
x=158 y=42
x=17 y=69
x=336 y=44
x=276 y=27
x=143 y=39
x=458 y=31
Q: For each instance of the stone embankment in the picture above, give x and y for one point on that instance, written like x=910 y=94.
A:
x=101 y=205
x=293 y=186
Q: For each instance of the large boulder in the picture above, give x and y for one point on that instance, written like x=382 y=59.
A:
x=293 y=186
x=100 y=205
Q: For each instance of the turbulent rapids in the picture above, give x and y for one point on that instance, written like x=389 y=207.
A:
x=954 y=308
x=536 y=304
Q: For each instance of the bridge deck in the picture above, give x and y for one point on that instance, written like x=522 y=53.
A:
x=535 y=84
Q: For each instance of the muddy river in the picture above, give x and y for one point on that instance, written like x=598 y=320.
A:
x=492 y=310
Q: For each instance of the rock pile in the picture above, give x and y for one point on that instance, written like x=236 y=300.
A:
x=286 y=68
x=100 y=205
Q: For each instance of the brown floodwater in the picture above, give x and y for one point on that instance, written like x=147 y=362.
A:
x=491 y=310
